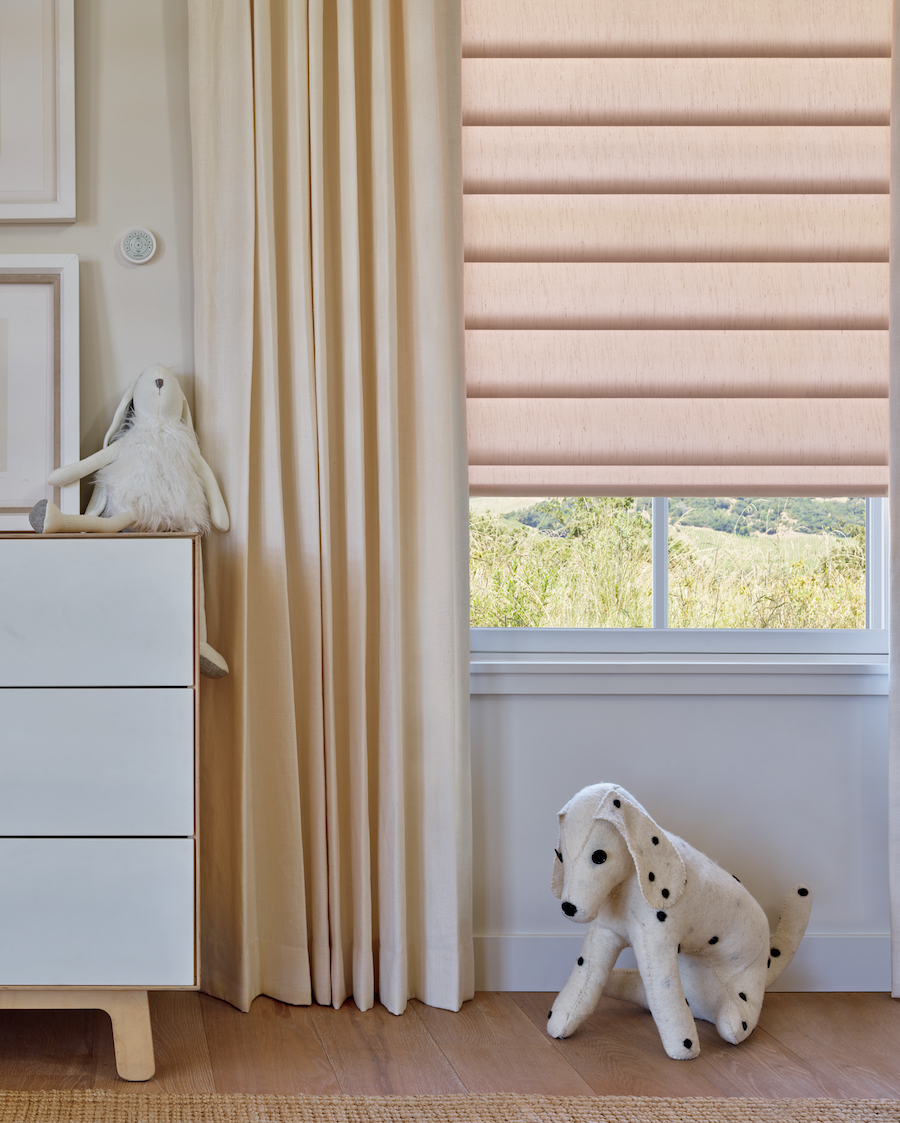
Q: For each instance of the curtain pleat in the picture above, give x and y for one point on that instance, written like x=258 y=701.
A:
x=336 y=835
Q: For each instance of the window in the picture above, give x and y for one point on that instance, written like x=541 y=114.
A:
x=723 y=563
x=676 y=281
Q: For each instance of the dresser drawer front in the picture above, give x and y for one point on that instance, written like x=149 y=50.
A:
x=97 y=762
x=96 y=612
x=97 y=912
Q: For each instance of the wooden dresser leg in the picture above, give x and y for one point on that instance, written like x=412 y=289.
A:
x=129 y=1012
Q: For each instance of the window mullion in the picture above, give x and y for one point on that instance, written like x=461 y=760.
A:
x=659 y=515
x=876 y=559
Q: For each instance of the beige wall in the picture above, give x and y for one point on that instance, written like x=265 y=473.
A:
x=133 y=169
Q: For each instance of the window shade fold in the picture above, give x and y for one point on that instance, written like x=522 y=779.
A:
x=752 y=91
x=728 y=158
x=678 y=431
x=695 y=228
x=673 y=295
x=671 y=364
x=676 y=238
x=684 y=28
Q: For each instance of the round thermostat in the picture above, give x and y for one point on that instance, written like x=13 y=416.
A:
x=138 y=245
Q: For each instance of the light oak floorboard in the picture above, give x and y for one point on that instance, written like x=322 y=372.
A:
x=839 y=1045
x=851 y=1041
x=45 y=1049
x=618 y=1052
x=380 y=1054
x=494 y=1047
x=272 y=1049
x=758 y=1067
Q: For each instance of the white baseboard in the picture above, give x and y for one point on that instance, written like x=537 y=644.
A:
x=822 y=962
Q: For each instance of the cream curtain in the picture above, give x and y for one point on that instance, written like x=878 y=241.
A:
x=335 y=853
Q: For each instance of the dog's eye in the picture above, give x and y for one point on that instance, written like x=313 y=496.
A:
x=598 y=857
x=557 y=853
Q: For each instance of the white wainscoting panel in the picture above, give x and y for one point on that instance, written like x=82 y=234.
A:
x=777 y=789
x=838 y=963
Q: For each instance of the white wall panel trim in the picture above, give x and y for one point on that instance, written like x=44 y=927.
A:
x=824 y=962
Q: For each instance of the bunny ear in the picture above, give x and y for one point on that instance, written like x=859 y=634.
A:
x=660 y=868
x=119 y=415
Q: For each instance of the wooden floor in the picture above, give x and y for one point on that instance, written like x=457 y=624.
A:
x=843 y=1046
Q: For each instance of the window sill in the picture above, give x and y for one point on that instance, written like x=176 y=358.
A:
x=678 y=672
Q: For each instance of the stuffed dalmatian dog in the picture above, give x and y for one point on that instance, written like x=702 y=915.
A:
x=701 y=941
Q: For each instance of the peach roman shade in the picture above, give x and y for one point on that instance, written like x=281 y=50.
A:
x=676 y=235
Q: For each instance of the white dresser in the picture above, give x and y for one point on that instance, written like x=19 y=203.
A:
x=98 y=679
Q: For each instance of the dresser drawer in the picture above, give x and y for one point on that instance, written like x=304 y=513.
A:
x=96 y=611
x=97 y=912
x=97 y=762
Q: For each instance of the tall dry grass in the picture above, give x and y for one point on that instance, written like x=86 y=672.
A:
x=721 y=580
x=595 y=575
x=594 y=571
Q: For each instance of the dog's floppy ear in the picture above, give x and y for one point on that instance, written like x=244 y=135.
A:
x=558 y=876
x=661 y=871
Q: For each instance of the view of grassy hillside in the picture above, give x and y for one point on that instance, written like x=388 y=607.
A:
x=733 y=563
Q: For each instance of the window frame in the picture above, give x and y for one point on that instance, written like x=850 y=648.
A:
x=853 y=660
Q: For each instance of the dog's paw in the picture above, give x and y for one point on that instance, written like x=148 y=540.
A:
x=559 y=1024
x=686 y=1050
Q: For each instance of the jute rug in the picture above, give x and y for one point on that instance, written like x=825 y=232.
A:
x=130 y=1107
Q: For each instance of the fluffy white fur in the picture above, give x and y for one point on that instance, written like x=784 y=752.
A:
x=701 y=941
x=154 y=477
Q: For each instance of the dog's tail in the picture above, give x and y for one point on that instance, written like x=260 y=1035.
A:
x=789 y=933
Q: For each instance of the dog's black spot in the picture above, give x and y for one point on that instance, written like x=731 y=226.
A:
x=768 y=962
x=737 y=879
x=598 y=857
x=744 y=1024
x=742 y=996
x=651 y=877
x=557 y=853
x=655 y=840
x=714 y=940
x=569 y=909
x=549 y=1014
x=775 y=952
x=679 y=949
x=803 y=892
x=581 y=961
x=660 y=915
x=665 y=893
x=688 y=1043
x=617 y=803
x=687 y=1002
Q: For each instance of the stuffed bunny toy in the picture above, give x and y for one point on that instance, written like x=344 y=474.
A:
x=701 y=941
x=150 y=477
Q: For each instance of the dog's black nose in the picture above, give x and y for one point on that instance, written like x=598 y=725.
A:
x=569 y=909
x=159 y=383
